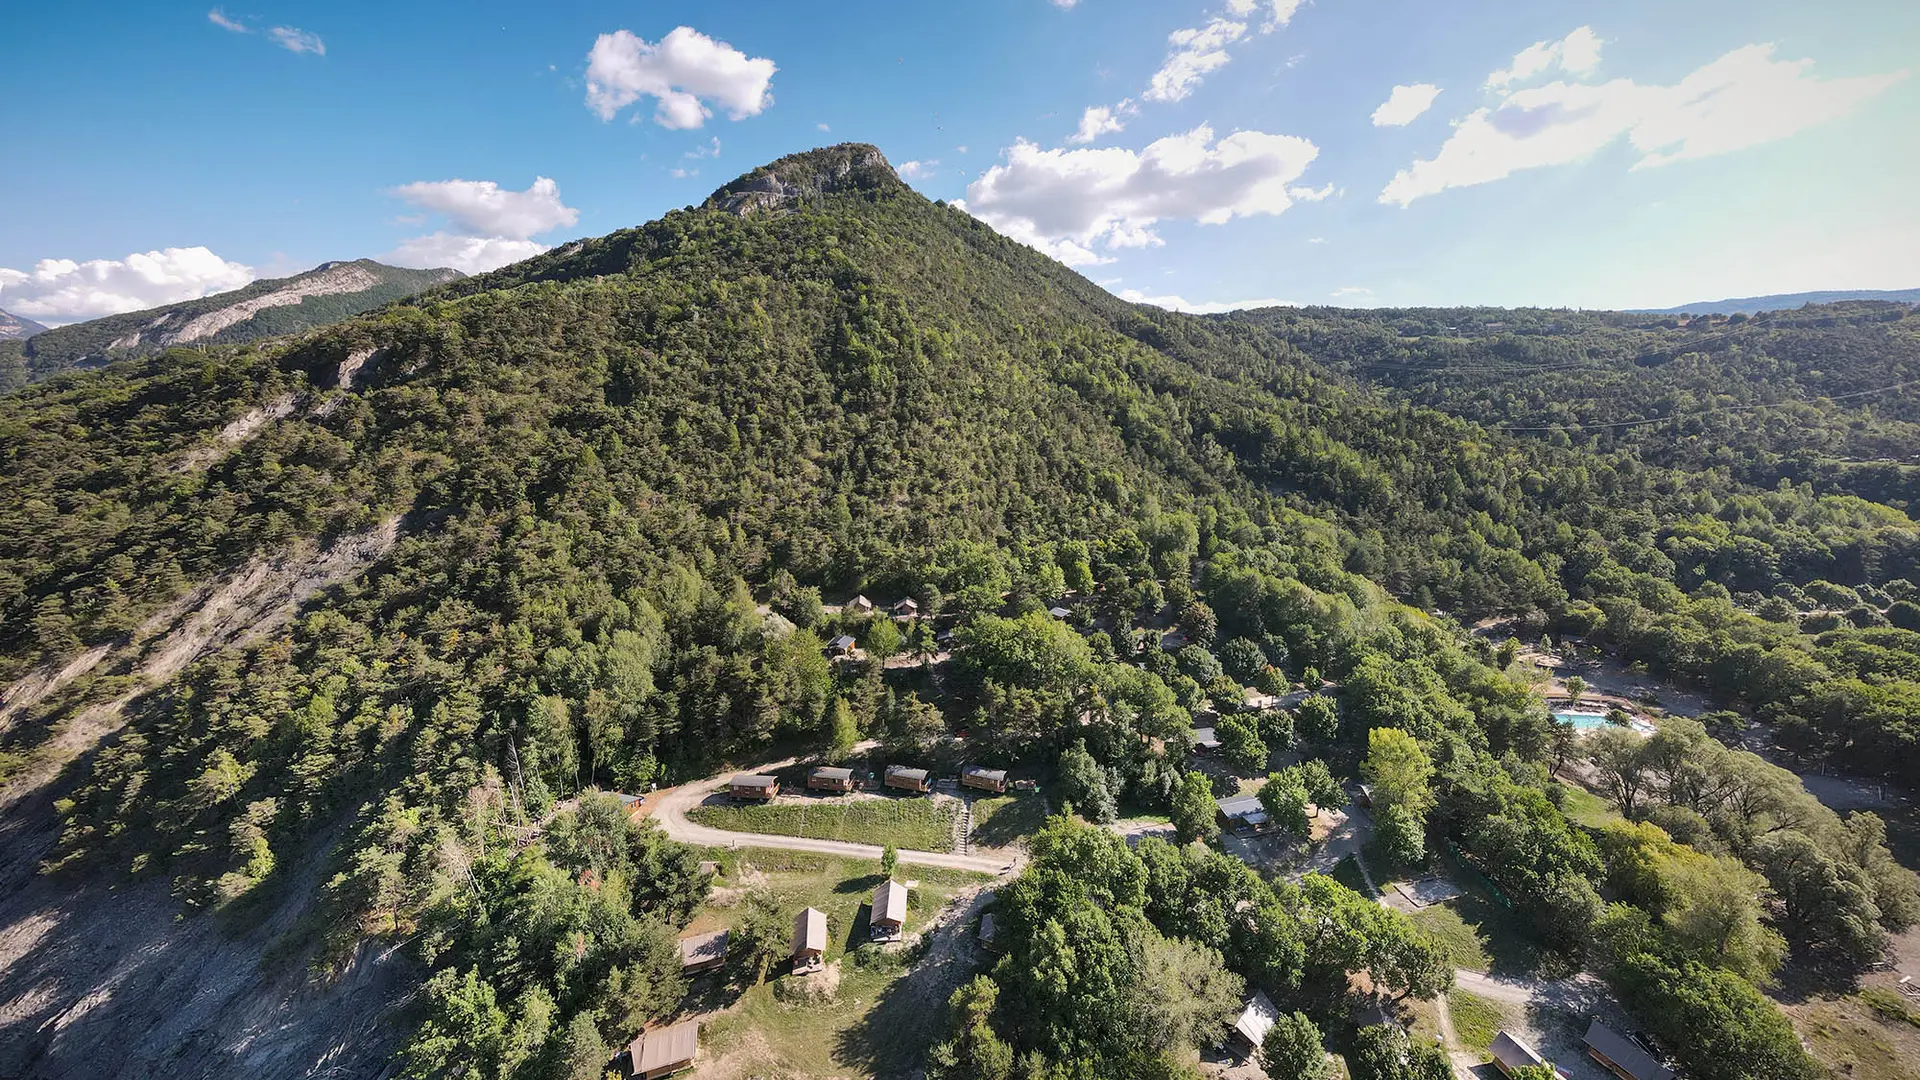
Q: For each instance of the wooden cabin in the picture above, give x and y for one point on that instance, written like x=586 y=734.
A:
x=907 y=608
x=1510 y=1053
x=889 y=915
x=1621 y=1057
x=664 y=1051
x=909 y=779
x=826 y=778
x=842 y=645
x=860 y=605
x=1255 y=1020
x=1243 y=814
x=978 y=776
x=757 y=788
x=809 y=940
x=989 y=933
x=703 y=952
x=1205 y=740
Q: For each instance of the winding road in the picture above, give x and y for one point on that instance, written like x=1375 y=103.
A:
x=671 y=813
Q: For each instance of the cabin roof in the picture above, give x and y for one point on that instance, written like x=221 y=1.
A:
x=703 y=948
x=661 y=1047
x=1620 y=1050
x=1241 y=806
x=749 y=780
x=1256 y=1018
x=826 y=772
x=810 y=931
x=984 y=772
x=1513 y=1053
x=907 y=771
x=890 y=902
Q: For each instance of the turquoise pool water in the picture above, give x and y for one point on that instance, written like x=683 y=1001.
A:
x=1582 y=720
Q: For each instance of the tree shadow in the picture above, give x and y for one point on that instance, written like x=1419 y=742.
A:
x=859 y=930
x=864 y=884
x=894 y=1035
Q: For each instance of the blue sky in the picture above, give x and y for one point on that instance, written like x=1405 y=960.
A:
x=1580 y=154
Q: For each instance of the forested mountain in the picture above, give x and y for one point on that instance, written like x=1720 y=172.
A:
x=601 y=460
x=13 y=327
x=1750 y=305
x=326 y=294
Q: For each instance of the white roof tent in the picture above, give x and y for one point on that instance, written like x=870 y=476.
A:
x=1256 y=1019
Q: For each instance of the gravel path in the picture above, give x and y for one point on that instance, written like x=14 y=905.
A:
x=671 y=813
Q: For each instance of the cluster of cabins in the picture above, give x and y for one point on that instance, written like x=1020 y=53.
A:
x=666 y=1050
x=1618 y=1054
x=756 y=787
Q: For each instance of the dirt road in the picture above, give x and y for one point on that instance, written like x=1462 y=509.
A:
x=671 y=813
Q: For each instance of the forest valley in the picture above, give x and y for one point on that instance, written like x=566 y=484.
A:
x=629 y=473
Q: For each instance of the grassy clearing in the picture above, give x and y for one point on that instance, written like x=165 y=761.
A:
x=1004 y=819
x=876 y=1024
x=838 y=886
x=916 y=824
x=1347 y=872
x=1476 y=1020
x=1851 y=1037
x=1503 y=947
x=1889 y=1005
x=1465 y=946
x=1586 y=808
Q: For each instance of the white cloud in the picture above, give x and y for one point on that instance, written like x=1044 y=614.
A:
x=483 y=207
x=822 y=126
x=915 y=170
x=708 y=150
x=1743 y=99
x=226 y=22
x=683 y=173
x=1067 y=202
x=1064 y=4
x=1204 y=307
x=59 y=291
x=1279 y=12
x=1351 y=290
x=1101 y=120
x=1316 y=239
x=495 y=225
x=1577 y=54
x=469 y=254
x=1405 y=105
x=294 y=39
x=683 y=72
x=1193 y=53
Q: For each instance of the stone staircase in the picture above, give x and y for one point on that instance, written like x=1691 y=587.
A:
x=963 y=828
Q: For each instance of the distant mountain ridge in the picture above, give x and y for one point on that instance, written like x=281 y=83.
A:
x=1749 y=305
x=326 y=294
x=14 y=328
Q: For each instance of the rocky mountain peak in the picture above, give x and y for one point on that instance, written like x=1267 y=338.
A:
x=799 y=178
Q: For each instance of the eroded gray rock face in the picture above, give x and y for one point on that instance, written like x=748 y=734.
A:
x=792 y=181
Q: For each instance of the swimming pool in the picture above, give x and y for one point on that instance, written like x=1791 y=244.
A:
x=1581 y=720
